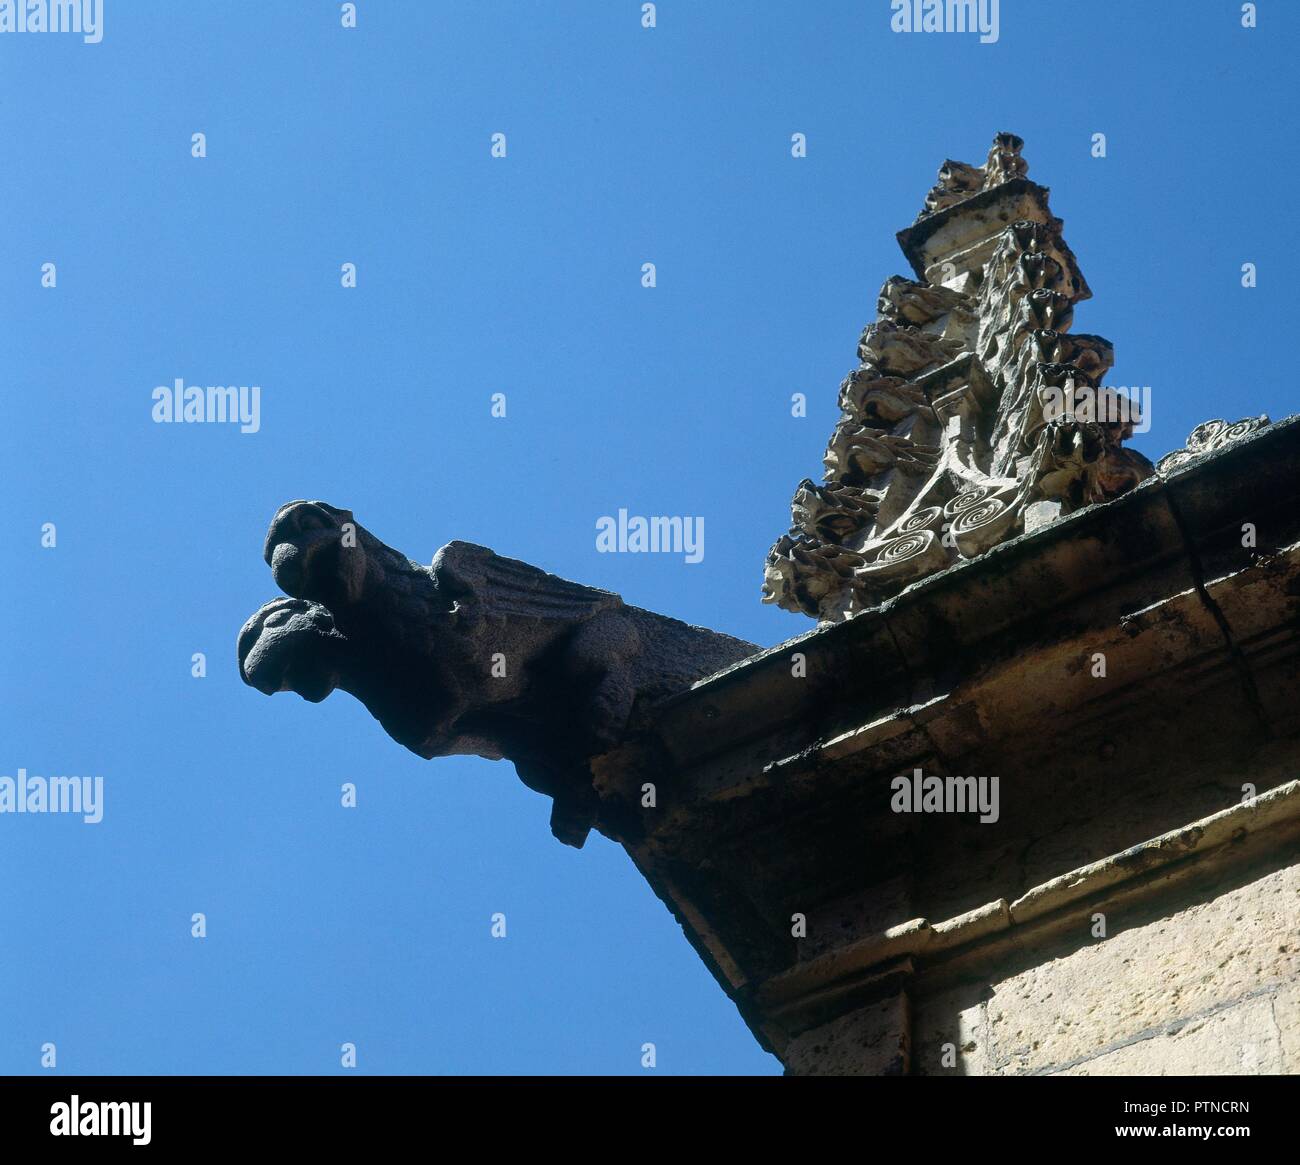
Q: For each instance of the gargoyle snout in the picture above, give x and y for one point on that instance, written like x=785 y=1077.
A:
x=313 y=552
x=290 y=645
x=298 y=533
x=301 y=522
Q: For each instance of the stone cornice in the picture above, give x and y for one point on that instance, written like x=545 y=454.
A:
x=1139 y=548
x=1220 y=837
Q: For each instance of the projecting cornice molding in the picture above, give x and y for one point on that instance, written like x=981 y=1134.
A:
x=1235 y=835
x=1153 y=542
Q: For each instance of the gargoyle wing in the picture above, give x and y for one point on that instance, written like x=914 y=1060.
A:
x=493 y=587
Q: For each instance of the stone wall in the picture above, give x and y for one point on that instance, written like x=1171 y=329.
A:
x=1210 y=986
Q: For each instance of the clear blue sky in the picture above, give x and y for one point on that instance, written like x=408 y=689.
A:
x=479 y=275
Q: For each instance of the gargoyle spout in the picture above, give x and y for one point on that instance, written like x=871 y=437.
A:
x=475 y=654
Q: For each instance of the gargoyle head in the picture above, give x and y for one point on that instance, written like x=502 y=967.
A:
x=292 y=645
x=316 y=551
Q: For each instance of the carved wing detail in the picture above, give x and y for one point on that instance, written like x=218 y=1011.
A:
x=494 y=587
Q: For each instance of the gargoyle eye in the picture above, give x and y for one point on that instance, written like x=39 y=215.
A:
x=275 y=618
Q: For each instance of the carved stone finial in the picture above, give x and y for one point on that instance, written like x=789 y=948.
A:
x=475 y=654
x=1004 y=160
x=958 y=181
x=973 y=415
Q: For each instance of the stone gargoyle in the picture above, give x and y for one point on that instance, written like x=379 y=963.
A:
x=475 y=654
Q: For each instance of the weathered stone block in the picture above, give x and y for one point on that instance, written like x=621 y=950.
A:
x=1140 y=980
x=872 y=1041
x=1240 y=1040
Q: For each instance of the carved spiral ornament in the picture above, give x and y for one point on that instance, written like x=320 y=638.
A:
x=1239 y=429
x=972 y=495
x=1209 y=437
x=920 y=520
x=974 y=516
x=904 y=547
x=1205 y=435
